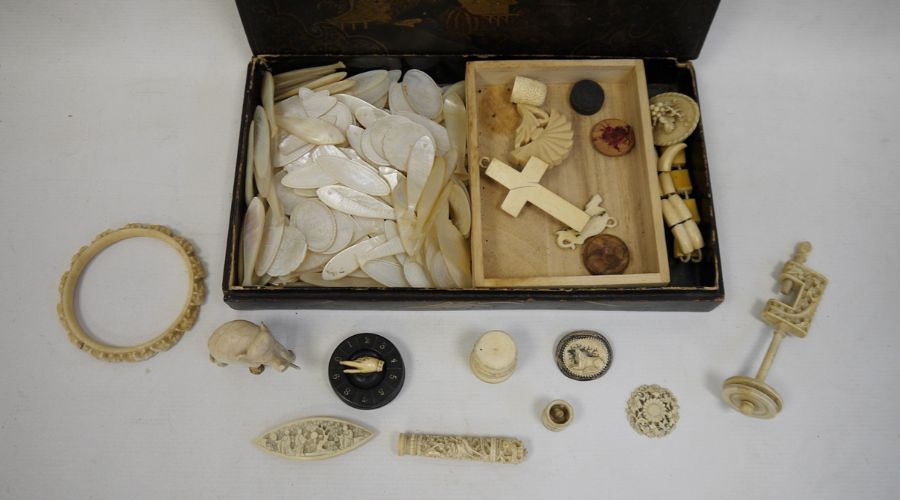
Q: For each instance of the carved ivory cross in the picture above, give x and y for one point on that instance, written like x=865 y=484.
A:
x=524 y=187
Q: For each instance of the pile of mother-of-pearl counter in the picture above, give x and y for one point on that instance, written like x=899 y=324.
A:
x=342 y=191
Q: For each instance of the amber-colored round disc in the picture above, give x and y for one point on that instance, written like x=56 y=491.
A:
x=612 y=137
x=605 y=254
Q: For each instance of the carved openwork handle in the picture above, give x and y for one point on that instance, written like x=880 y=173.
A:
x=752 y=396
x=485 y=449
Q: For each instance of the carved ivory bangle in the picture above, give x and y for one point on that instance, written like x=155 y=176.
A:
x=528 y=91
x=485 y=449
x=68 y=314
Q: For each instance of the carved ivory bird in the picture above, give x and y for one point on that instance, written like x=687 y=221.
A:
x=365 y=364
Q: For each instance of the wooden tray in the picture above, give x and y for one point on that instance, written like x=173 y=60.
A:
x=522 y=251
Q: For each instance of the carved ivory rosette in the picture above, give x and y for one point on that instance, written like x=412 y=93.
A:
x=652 y=410
x=485 y=449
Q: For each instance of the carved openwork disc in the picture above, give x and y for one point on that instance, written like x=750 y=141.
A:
x=752 y=397
x=652 y=410
x=366 y=391
x=583 y=355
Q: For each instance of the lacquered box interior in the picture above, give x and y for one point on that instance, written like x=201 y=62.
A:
x=691 y=286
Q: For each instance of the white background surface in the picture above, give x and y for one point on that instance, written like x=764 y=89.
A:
x=113 y=112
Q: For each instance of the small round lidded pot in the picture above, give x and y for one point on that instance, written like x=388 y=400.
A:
x=493 y=359
x=557 y=415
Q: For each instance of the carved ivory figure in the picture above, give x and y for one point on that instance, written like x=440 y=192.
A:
x=241 y=341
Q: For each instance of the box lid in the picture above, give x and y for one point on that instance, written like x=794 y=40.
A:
x=608 y=28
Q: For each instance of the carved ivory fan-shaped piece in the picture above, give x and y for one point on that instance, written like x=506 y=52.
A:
x=314 y=438
x=493 y=358
x=752 y=396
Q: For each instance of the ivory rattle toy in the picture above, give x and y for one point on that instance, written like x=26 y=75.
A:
x=752 y=396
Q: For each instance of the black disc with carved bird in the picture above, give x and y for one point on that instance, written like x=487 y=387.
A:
x=366 y=391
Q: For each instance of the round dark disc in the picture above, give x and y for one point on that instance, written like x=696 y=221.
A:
x=586 y=97
x=366 y=391
x=605 y=254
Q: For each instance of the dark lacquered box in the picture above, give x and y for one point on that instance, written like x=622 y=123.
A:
x=439 y=37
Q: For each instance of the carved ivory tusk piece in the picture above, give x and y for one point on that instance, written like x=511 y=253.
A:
x=664 y=164
x=485 y=449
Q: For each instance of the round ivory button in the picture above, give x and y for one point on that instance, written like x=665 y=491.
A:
x=493 y=358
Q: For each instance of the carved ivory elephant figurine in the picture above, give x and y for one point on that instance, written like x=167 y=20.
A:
x=241 y=341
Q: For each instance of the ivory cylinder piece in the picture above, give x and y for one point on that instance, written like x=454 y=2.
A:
x=493 y=359
x=693 y=233
x=484 y=449
x=680 y=208
x=682 y=238
x=665 y=183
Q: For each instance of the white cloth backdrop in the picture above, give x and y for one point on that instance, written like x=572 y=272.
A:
x=114 y=112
